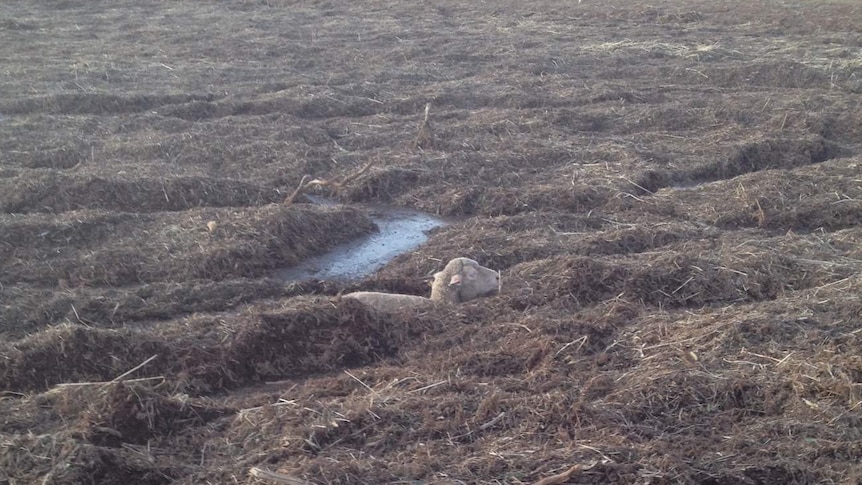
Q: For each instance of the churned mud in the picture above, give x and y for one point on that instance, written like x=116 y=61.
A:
x=672 y=191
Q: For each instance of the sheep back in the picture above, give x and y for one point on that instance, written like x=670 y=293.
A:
x=391 y=302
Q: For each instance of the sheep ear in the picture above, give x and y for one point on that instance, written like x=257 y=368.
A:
x=456 y=280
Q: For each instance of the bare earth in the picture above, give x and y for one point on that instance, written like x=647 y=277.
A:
x=672 y=190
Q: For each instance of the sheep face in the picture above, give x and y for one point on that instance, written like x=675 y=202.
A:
x=469 y=279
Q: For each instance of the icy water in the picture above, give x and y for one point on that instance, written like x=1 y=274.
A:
x=399 y=230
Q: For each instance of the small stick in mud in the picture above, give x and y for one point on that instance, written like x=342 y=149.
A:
x=130 y=371
x=425 y=137
x=338 y=184
x=564 y=476
x=63 y=385
x=334 y=184
x=299 y=188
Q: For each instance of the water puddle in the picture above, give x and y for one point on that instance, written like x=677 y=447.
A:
x=399 y=230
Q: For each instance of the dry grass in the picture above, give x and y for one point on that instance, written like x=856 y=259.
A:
x=671 y=191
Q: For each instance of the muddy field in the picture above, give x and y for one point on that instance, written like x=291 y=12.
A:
x=672 y=190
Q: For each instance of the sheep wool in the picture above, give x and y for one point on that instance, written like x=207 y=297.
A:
x=463 y=279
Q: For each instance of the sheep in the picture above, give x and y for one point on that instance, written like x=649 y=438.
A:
x=391 y=302
x=461 y=280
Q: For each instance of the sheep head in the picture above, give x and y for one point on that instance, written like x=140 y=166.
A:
x=463 y=280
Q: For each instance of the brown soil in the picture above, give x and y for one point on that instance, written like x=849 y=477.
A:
x=672 y=192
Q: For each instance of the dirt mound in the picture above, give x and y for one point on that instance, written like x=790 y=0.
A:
x=784 y=74
x=61 y=158
x=308 y=340
x=384 y=185
x=31 y=309
x=823 y=196
x=115 y=433
x=711 y=272
x=75 y=353
x=763 y=155
x=135 y=414
x=314 y=108
x=92 y=103
x=495 y=201
x=208 y=353
x=83 y=463
x=54 y=192
x=121 y=249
